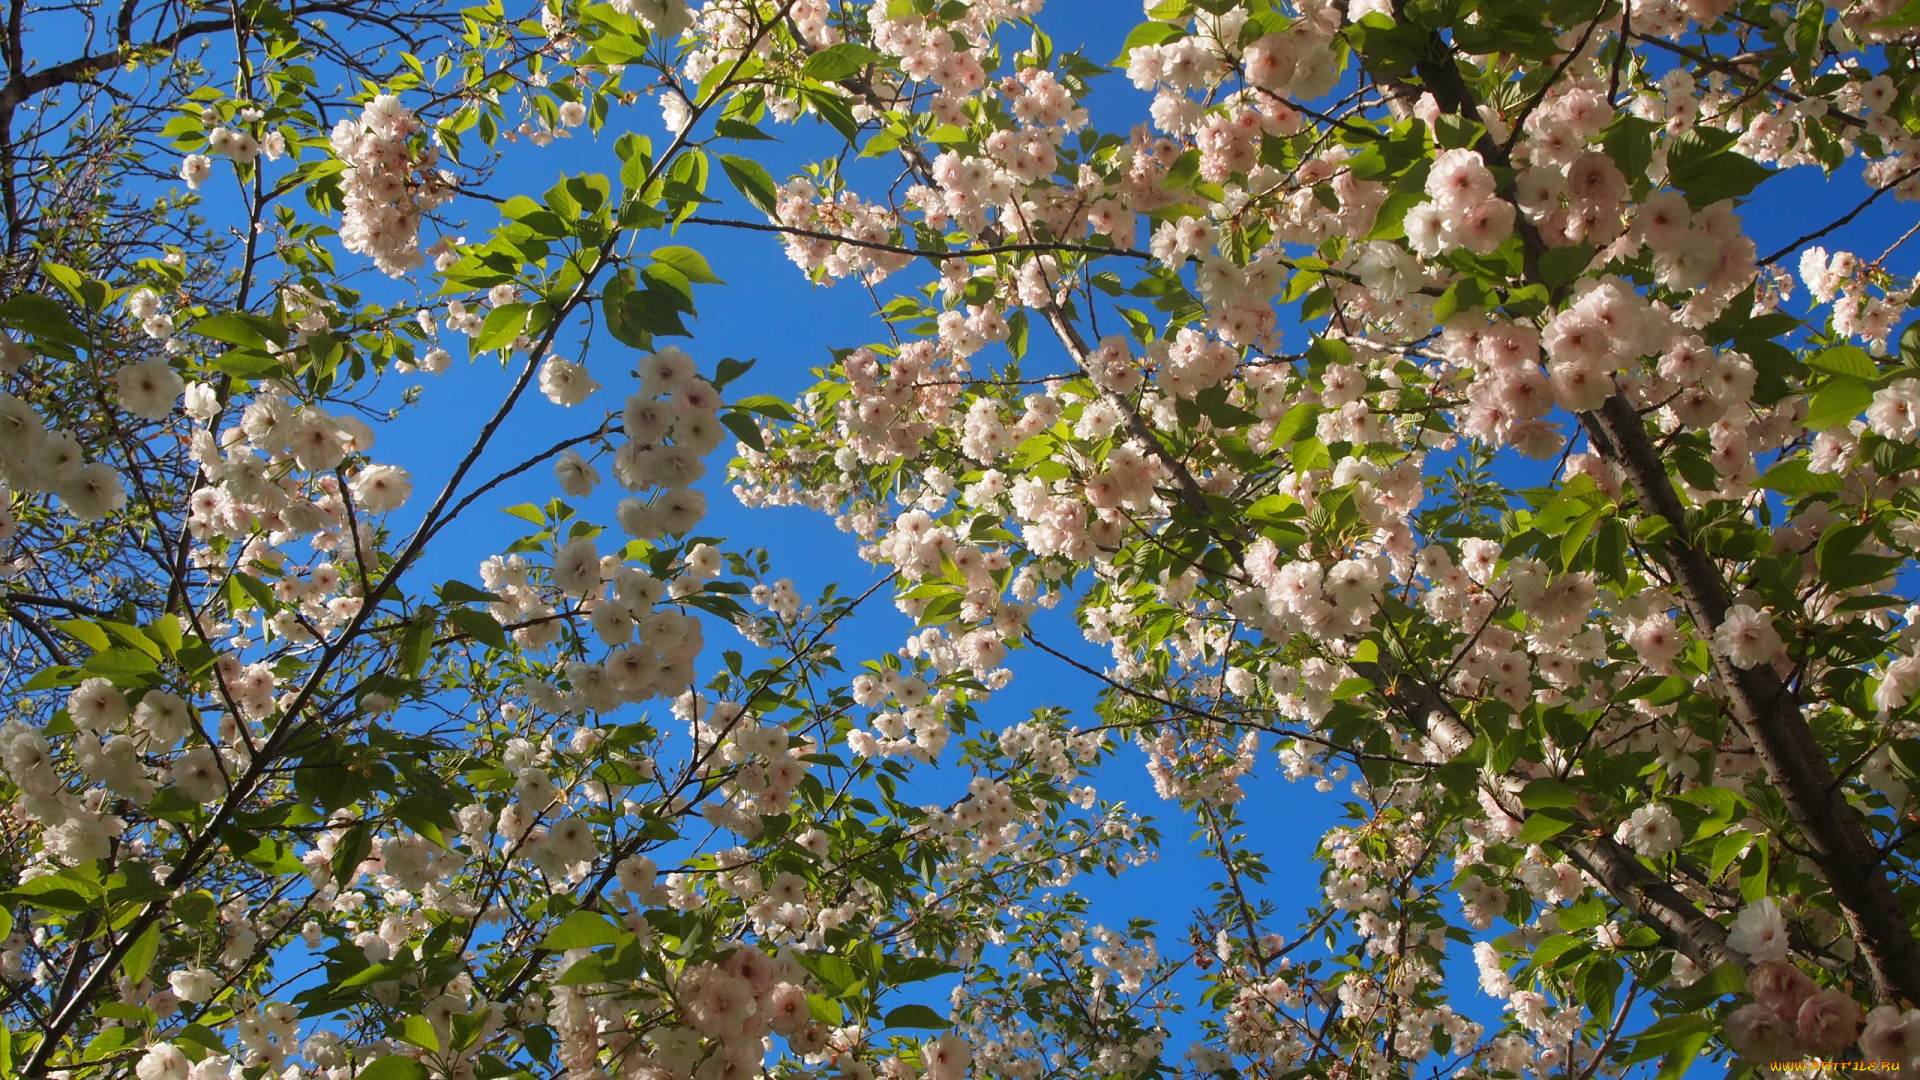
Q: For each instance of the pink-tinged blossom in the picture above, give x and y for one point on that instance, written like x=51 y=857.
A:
x=1657 y=641
x=92 y=491
x=1594 y=179
x=1427 y=229
x=380 y=488
x=1780 y=986
x=1895 y=412
x=1823 y=277
x=95 y=705
x=1892 y=1035
x=565 y=382
x=1760 y=931
x=576 y=567
x=1746 y=636
x=1829 y=1021
x=575 y=474
x=1494 y=980
x=946 y=1058
x=1758 y=1034
x=1651 y=831
x=1483 y=226
x=195 y=985
x=388 y=185
x=149 y=388
x=163 y=1061
x=1897 y=684
x=1459 y=179
x=1662 y=220
x=195 y=169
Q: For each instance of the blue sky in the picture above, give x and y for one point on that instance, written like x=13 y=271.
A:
x=768 y=312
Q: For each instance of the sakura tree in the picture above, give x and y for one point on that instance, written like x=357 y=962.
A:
x=284 y=796
x=1395 y=401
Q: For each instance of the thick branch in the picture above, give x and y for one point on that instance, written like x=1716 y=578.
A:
x=1046 y=246
x=1759 y=699
x=1679 y=922
x=1768 y=712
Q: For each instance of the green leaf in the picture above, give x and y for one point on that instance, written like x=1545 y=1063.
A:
x=654 y=310
x=1389 y=223
x=503 y=324
x=120 y=662
x=393 y=1067
x=459 y=592
x=1309 y=454
x=826 y=1009
x=1861 y=570
x=86 y=633
x=1155 y=33
x=41 y=316
x=1545 y=793
x=1598 y=984
x=1908 y=16
x=766 y=405
x=241 y=328
x=139 y=957
x=730 y=369
x=1298 y=418
x=1837 y=404
x=753 y=180
x=371 y=974
x=591 y=968
x=85 y=291
x=1543 y=825
x=202 y=1037
x=744 y=428
x=916 y=1016
x=836 y=62
x=56 y=676
x=636 y=157
x=248 y=364
x=691 y=264
x=1702 y=164
x=1586 y=914
x=109 y=1041
x=1837 y=546
x=419 y=1031
x=739 y=130
x=62 y=890
x=255 y=590
x=479 y=625
x=834 y=973
x=1848 y=360
x=416 y=642
x=351 y=852
x=834 y=111
x=1555 y=947
x=1729 y=847
x=1576 y=535
x=1720 y=803
x=424 y=814
x=1560 y=266
x=584 y=930
x=1675 y=1065
x=1793 y=477
x=1576 y=500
